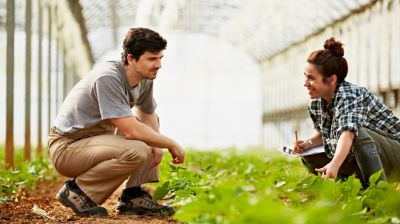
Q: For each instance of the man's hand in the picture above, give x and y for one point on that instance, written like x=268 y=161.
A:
x=330 y=170
x=178 y=155
x=157 y=154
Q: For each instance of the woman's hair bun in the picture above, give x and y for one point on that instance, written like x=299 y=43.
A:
x=335 y=47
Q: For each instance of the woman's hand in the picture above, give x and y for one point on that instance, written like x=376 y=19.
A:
x=301 y=146
x=329 y=171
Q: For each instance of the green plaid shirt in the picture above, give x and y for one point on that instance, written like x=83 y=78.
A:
x=351 y=107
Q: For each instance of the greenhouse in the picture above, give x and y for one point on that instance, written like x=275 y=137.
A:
x=229 y=85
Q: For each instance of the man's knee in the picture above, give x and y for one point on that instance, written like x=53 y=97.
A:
x=138 y=152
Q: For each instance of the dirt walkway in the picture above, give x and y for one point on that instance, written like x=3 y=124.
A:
x=44 y=197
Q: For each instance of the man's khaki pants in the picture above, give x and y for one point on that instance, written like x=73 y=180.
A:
x=101 y=161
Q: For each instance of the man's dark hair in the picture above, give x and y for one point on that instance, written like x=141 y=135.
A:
x=330 y=60
x=139 y=40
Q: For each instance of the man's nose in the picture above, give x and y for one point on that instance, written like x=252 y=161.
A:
x=157 y=64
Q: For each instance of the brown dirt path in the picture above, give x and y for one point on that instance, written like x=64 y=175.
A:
x=44 y=197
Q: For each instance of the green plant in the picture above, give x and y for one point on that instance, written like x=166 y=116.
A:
x=261 y=186
x=25 y=176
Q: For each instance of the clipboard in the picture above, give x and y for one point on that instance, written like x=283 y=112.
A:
x=312 y=151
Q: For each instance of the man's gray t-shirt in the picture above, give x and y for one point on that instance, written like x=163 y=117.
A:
x=103 y=94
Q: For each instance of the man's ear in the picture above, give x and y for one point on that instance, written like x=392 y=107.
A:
x=130 y=58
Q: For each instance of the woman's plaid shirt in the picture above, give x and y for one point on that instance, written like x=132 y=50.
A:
x=351 y=107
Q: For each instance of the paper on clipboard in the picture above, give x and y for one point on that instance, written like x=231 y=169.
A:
x=312 y=151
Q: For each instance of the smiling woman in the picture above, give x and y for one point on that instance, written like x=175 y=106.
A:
x=360 y=134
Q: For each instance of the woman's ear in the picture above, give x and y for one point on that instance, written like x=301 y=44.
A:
x=333 y=80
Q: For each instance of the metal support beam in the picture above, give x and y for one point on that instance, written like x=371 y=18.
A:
x=40 y=37
x=49 y=73
x=28 y=67
x=10 y=84
x=57 y=101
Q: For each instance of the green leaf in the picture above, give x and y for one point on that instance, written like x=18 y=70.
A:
x=173 y=168
x=375 y=177
x=20 y=183
x=160 y=192
x=183 y=193
x=280 y=183
x=220 y=173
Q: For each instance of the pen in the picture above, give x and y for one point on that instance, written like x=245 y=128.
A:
x=297 y=147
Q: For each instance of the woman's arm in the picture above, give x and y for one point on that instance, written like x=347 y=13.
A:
x=343 y=147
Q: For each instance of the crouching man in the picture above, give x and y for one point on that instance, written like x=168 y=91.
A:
x=107 y=132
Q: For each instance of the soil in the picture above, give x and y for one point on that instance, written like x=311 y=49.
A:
x=43 y=196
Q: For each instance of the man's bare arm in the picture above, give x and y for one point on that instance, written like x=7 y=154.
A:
x=133 y=129
x=149 y=119
x=152 y=121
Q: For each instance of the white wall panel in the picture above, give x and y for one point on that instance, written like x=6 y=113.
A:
x=384 y=47
x=395 y=45
x=364 y=50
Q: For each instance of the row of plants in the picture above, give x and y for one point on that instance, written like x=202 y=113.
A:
x=24 y=176
x=265 y=187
